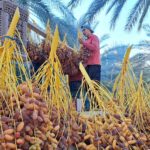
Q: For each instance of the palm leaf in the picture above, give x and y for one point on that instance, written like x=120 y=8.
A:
x=43 y=15
x=68 y=29
x=105 y=37
x=41 y=10
x=22 y=2
x=145 y=10
x=65 y=28
x=94 y=25
x=132 y=19
x=104 y=46
x=146 y=27
x=36 y=6
x=93 y=9
x=111 y=6
x=143 y=43
x=73 y=3
x=63 y=9
x=116 y=14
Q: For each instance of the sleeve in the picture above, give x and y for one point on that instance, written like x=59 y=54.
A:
x=94 y=45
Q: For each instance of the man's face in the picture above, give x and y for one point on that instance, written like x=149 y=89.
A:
x=86 y=32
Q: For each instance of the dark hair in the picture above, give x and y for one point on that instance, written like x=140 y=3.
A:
x=86 y=27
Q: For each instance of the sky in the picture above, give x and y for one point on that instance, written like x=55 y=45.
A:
x=117 y=36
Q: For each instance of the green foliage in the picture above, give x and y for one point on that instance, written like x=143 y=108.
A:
x=43 y=11
x=137 y=13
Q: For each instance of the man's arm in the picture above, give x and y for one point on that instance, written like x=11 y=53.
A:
x=92 y=46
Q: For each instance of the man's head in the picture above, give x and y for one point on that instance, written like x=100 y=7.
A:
x=87 y=31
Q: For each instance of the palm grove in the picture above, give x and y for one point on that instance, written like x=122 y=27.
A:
x=69 y=25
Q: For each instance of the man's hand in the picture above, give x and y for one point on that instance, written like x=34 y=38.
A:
x=80 y=40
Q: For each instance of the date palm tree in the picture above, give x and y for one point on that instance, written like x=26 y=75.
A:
x=43 y=10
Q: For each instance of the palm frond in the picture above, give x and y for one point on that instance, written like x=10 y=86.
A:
x=43 y=13
x=145 y=10
x=135 y=12
x=37 y=6
x=146 y=27
x=22 y=2
x=73 y=3
x=93 y=9
x=65 y=28
x=105 y=37
x=111 y=6
x=143 y=43
x=69 y=30
x=117 y=12
x=63 y=9
x=104 y=46
x=81 y=21
x=94 y=25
